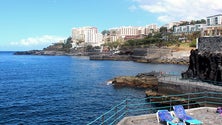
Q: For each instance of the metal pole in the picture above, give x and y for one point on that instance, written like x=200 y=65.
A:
x=188 y=101
x=116 y=109
x=126 y=107
x=103 y=120
x=170 y=104
x=205 y=101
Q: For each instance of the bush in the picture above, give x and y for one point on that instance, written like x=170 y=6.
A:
x=193 y=43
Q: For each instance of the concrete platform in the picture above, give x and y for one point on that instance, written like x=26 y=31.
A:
x=207 y=115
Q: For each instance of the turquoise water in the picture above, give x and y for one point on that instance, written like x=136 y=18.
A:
x=64 y=89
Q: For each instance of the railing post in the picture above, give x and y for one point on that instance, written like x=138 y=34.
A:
x=205 y=101
x=188 y=101
x=116 y=109
x=126 y=107
x=103 y=119
x=170 y=104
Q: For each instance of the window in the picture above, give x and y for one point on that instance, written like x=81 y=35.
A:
x=208 y=22
x=216 y=20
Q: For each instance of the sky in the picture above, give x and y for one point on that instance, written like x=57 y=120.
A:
x=35 y=24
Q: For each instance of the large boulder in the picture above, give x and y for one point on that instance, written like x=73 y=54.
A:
x=206 y=61
x=139 y=81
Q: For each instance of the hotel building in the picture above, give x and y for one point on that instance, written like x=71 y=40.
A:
x=186 y=29
x=214 y=26
x=88 y=35
x=131 y=32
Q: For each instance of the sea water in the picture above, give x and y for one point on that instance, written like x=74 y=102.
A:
x=64 y=89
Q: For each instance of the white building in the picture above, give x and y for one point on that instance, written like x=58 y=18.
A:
x=128 y=31
x=131 y=31
x=214 y=26
x=88 y=35
x=171 y=24
x=150 y=29
x=186 y=29
x=214 y=20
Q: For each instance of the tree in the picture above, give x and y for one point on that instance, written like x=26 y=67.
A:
x=184 y=23
x=203 y=21
x=68 y=44
x=192 y=22
x=89 y=48
x=105 y=32
x=163 y=29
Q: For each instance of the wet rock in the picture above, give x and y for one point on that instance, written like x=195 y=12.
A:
x=139 y=81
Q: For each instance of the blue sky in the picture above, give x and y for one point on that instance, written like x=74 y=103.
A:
x=34 y=24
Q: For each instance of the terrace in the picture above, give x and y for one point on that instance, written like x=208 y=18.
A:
x=201 y=106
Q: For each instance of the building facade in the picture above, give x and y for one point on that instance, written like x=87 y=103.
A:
x=214 y=26
x=88 y=35
x=150 y=29
x=186 y=29
x=128 y=31
x=131 y=32
x=214 y=20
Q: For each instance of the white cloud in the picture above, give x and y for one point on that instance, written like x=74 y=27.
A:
x=164 y=18
x=132 y=8
x=176 y=10
x=37 y=42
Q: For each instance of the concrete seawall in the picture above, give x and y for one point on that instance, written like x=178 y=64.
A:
x=176 y=85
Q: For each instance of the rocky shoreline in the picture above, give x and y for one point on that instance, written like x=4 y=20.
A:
x=148 y=81
x=108 y=56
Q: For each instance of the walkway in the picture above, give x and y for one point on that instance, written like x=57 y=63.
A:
x=179 y=81
x=207 y=115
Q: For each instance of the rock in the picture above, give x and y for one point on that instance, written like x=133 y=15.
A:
x=41 y=52
x=205 y=62
x=145 y=81
x=166 y=100
x=152 y=93
x=110 y=57
x=31 y=52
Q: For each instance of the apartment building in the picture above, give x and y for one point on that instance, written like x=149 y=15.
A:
x=131 y=32
x=214 y=26
x=150 y=29
x=186 y=29
x=128 y=31
x=171 y=24
x=214 y=20
x=88 y=35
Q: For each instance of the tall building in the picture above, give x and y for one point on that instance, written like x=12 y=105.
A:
x=128 y=31
x=88 y=35
x=120 y=33
x=150 y=29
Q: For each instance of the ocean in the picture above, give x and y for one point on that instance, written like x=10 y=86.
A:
x=64 y=89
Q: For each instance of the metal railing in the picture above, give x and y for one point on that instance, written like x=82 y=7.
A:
x=141 y=106
x=176 y=76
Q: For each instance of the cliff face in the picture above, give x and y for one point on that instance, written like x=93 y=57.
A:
x=205 y=62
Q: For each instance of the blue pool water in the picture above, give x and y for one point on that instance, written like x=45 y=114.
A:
x=63 y=89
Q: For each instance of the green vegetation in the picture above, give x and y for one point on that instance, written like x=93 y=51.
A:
x=192 y=22
x=105 y=32
x=67 y=45
x=192 y=44
x=162 y=38
x=112 y=45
